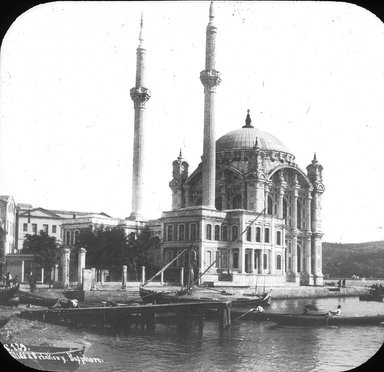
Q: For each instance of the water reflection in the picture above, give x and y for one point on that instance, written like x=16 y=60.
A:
x=247 y=345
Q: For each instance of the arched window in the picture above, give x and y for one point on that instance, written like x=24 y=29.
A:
x=68 y=237
x=170 y=233
x=266 y=235
x=249 y=233
x=193 y=234
x=278 y=237
x=269 y=205
x=209 y=232
x=217 y=232
x=236 y=202
x=219 y=203
x=208 y=258
x=235 y=257
x=298 y=213
x=265 y=261
x=76 y=238
x=235 y=232
x=225 y=233
x=258 y=234
x=278 y=262
x=181 y=232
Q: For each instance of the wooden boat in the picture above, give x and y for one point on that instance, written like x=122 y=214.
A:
x=371 y=297
x=32 y=298
x=321 y=319
x=183 y=296
x=47 y=358
x=7 y=293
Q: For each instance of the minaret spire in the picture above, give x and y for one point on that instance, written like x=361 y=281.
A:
x=210 y=78
x=140 y=95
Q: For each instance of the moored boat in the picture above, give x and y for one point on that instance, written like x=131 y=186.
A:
x=32 y=298
x=371 y=297
x=321 y=319
x=47 y=358
x=163 y=297
x=9 y=295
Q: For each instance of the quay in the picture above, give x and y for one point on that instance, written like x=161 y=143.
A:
x=140 y=316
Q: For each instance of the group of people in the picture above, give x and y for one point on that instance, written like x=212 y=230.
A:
x=9 y=280
x=341 y=283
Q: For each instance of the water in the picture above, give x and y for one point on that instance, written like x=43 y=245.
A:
x=246 y=346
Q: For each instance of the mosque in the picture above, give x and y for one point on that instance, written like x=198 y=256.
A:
x=247 y=214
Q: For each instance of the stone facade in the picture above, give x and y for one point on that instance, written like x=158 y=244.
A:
x=266 y=217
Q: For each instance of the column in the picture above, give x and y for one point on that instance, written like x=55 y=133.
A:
x=294 y=197
x=252 y=260
x=56 y=277
x=42 y=275
x=22 y=271
x=317 y=236
x=162 y=278
x=182 y=276
x=124 y=282
x=142 y=274
x=80 y=264
x=65 y=258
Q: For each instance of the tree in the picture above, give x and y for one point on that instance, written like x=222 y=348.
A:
x=111 y=247
x=44 y=248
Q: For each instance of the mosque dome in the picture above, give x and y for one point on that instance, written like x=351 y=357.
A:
x=245 y=138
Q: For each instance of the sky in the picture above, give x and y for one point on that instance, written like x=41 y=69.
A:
x=312 y=74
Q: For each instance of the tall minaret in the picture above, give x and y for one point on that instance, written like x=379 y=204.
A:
x=140 y=96
x=210 y=78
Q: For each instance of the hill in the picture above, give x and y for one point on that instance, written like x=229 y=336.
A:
x=362 y=259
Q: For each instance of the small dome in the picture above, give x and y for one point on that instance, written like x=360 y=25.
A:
x=245 y=138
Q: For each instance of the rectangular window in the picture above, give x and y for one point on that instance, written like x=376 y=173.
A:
x=34 y=228
x=54 y=229
x=217 y=232
x=209 y=232
x=181 y=232
x=225 y=233
x=25 y=227
x=45 y=228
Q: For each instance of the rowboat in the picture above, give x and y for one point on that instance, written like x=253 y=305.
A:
x=7 y=293
x=47 y=358
x=321 y=319
x=164 y=297
x=371 y=297
x=35 y=299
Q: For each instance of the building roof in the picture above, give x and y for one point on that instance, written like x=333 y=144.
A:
x=245 y=138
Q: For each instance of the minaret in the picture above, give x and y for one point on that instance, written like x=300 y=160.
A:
x=210 y=78
x=140 y=96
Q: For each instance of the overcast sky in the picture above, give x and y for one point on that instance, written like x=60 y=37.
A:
x=312 y=74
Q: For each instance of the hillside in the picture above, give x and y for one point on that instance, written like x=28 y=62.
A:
x=362 y=259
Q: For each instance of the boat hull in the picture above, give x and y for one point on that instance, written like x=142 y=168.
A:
x=369 y=297
x=9 y=295
x=149 y=296
x=34 y=299
x=46 y=358
x=322 y=320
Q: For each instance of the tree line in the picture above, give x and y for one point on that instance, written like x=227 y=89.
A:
x=106 y=247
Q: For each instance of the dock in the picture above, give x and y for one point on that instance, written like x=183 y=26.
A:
x=144 y=317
